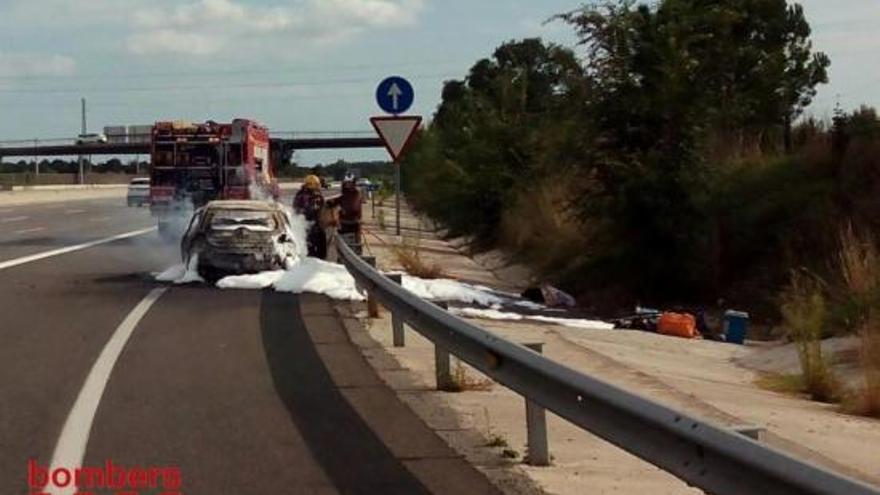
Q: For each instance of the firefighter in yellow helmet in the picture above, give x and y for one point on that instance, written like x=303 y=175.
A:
x=308 y=203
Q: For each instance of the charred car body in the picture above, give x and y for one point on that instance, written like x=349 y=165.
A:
x=234 y=237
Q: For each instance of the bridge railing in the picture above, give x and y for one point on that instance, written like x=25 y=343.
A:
x=715 y=459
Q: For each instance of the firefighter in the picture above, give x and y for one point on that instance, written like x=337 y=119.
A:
x=349 y=204
x=308 y=202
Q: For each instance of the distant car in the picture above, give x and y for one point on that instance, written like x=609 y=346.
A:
x=235 y=237
x=362 y=182
x=91 y=139
x=139 y=191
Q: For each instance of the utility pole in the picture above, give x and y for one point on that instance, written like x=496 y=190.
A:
x=397 y=186
x=36 y=162
x=82 y=132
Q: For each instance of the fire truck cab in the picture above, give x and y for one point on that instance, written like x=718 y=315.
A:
x=193 y=164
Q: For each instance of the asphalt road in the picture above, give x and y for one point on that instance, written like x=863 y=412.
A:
x=238 y=392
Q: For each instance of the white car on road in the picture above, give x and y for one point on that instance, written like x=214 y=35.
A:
x=139 y=191
x=91 y=139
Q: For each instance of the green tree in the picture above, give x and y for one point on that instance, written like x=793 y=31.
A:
x=482 y=142
x=669 y=81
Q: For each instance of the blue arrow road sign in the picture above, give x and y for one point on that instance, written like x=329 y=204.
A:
x=395 y=95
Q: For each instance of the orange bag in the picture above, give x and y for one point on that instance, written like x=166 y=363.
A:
x=678 y=325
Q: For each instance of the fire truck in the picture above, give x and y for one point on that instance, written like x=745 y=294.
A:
x=194 y=163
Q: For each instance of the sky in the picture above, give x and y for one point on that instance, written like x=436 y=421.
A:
x=303 y=65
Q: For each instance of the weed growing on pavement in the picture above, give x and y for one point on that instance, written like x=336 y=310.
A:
x=497 y=441
x=509 y=454
x=464 y=382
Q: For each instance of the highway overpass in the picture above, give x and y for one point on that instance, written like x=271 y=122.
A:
x=282 y=145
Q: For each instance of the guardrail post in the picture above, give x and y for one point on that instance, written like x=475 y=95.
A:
x=443 y=370
x=536 y=426
x=396 y=322
x=372 y=304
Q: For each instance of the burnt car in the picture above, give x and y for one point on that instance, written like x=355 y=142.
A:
x=235 y=237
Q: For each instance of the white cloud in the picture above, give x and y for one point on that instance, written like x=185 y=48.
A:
x=206 y=27
x=35 y=64
x=170 y=41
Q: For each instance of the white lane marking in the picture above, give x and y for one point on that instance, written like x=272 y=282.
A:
x=71 y=444
x=73 y=211
x=69 y=249
x=13 y=219
x=29 y=231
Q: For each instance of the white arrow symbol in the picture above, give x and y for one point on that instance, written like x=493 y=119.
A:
x=394 y=92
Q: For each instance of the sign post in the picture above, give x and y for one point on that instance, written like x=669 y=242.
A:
x=395 y=95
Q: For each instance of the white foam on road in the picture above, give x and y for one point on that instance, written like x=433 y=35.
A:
x=306 y=275
x=182 y=274
x=260 y=280
x=492 y=314
x=69 y=249
x=442 y=289
x=71 y=445
x=486 y=314
x=320 y=277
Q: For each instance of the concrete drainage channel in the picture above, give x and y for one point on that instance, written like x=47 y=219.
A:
x=716 y=459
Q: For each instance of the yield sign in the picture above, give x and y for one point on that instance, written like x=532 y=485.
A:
x=396 y=132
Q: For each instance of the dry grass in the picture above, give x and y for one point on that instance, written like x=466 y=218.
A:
x=804 y=314
x=409 y=255
x=782 y=383
x=860 y=266
x=859 y=263
x=865 y=400
x=542 y=230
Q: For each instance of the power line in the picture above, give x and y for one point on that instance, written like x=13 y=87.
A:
x=202 y=87
x=211 y=73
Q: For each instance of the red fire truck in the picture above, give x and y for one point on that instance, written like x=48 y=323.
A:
x=196 y=163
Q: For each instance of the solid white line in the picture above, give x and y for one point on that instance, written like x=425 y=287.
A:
x=13 y=219
x=29 y=231
x=71 y=212
x=69 y=249
x=71 y=444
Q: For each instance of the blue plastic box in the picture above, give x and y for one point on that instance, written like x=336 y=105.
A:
x=736 y=325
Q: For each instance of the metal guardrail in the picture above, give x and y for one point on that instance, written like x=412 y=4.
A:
x=715 y=459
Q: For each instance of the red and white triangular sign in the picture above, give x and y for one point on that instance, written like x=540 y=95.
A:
x=396 y=132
